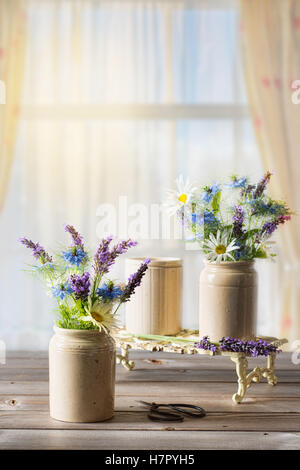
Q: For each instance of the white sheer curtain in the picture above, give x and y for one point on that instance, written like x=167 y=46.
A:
x=119 y=98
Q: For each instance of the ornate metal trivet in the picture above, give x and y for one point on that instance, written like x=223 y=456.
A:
x=126 y=341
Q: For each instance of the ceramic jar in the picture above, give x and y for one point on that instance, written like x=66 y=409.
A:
x=81 y=375
x=228 y=300
x=156 y=306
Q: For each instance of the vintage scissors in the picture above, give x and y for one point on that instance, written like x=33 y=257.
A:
x=172 y=411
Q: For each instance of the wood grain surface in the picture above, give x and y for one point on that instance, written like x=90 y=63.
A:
x=269 y=417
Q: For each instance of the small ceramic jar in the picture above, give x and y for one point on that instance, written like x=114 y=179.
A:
x=81 y=375
x=228 y=300
x=156 y=306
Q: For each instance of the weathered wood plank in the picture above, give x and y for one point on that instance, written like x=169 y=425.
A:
x=123 y=403
x=150 y=375
x=154 y=440
x=146 y=359
x=137 y=420
x=170 y=390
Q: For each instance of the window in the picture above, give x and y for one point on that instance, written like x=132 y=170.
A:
x=120 y=97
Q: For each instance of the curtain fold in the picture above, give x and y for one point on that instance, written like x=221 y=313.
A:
x=12 y=52
x=271 y=50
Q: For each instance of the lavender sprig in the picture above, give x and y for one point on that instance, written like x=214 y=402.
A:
x=262 y=185
x=80 y=285
x=269 y=227
x=134 y=281
x=252 y=348
x=205 y=344
x=104 y=258
x=37 y=250
x=238 y=220
x=76 y=237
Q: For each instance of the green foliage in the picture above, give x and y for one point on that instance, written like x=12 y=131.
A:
x=216 y=202
x=69 y=318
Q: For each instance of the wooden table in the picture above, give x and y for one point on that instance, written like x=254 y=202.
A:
x=269 y=417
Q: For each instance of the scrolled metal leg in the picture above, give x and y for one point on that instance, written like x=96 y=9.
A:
x=269 y=372
x=241 y=365
x=123 y=358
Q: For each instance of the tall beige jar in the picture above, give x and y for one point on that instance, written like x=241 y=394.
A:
x=156 y=306
x=228 y=300
x=81 y=375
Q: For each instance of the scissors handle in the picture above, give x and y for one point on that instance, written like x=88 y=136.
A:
x=160 y=411
x=180 y=407
x=158 y=415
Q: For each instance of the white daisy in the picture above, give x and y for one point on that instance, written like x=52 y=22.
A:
x=100 y=313
x=219 y=249
x=181 y=196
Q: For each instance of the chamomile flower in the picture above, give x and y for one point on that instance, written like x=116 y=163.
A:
x=218 y=248
x=100 y=314
x=181 y=196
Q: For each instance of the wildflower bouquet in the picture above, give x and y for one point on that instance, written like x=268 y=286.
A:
x=85 y=298
x=232 y=221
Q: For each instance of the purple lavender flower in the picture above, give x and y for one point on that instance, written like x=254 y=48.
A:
x=205 y=344
x=104 y=258
x=80 y=285
x=250 y=348
x=261 y=186
x=238 y=220
x=269 y=227
x=76 y=238
x=37 y=250
x=134 y=281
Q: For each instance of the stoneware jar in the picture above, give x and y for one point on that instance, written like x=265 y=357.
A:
x=156 y=306
x=82 y=375
x=228 y=300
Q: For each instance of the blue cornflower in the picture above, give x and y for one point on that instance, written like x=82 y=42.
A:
x=237 y=182
x=207 y=217
x=109 y=292
x=209 y=192
x=272 y=209
x=74 y=255
x=239 y=254
x=61 y=290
